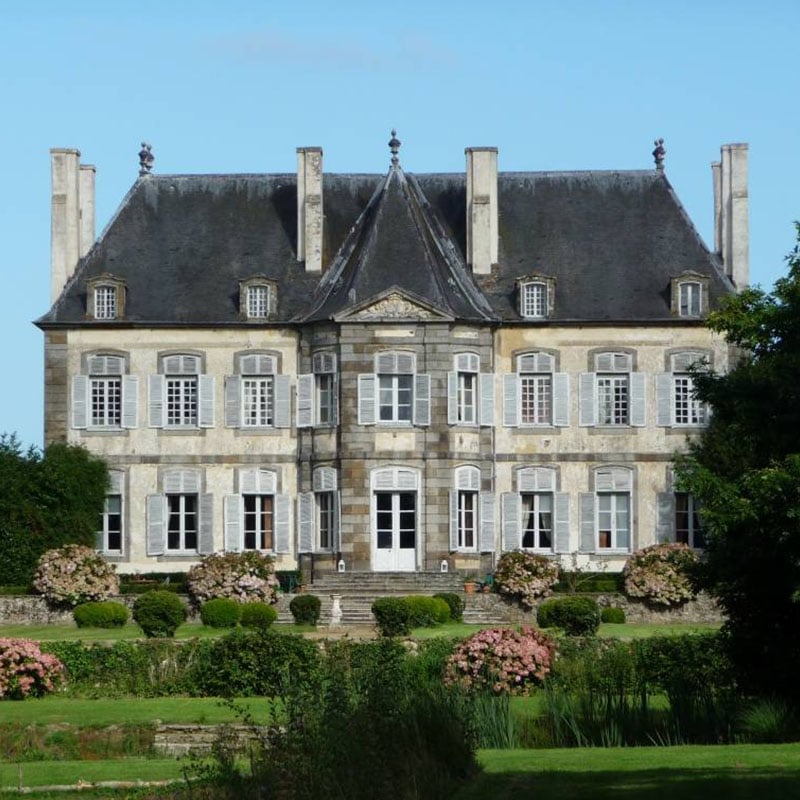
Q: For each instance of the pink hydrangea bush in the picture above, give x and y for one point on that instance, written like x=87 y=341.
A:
x=502 y=660
x=660 y=574
x=25 y=671
x=525 y=577
x=239 y=576
x=75 y=574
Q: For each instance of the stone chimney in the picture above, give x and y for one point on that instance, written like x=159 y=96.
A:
x=482 y=235
x=731 y=216
x=65 y=222
x=309 y=207
x=87 y=205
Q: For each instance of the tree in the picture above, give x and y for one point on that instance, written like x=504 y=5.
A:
x=745 y=472
x=46 y=500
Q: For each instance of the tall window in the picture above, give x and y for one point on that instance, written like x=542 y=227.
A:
x=613 y=394
x=394 y=519
x=257 y=518
x=676 y=404
x=258 y=301
x=326 y=520
x=606 y=513
x=690 y=299
x=258 y=522
x=535 y=389
x=106 y=397
x=182 y=521
x=109 y=536
x=688 y=526
x=533 y=300
x=537 y=520
x=395 y=393
x=467 y=366
x=324 y=365
x=106 y=401
x=181 y=384
x=536 y=517
x=105 y=302
x=256 y=401
x=257 y=398
x=318 y=513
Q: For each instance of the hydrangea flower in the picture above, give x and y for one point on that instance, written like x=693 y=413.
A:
x=25 y=671
x=524 y=577
x=75 y=574
x=238 y=576
x=660 y=574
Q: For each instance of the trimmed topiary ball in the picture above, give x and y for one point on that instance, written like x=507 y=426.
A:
x=613 y=615
x=305 y=609
x=105 y=614
x=427 y=612
x=220 y=613
x=257 y=615
x=392 y=616
x=576 y=616
x=456 y=604
x=159 y=613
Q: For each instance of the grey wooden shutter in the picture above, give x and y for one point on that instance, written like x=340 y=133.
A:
x=232 y=514
x=561 y=399
x=588 y=399
x=453 y=520
x=205 y=541
x=155 y=401
x=130 y=401
x=624 y=537
x=638 y=384
x=587 y=522
x=562 y=522
x=422 y=399
x=510 y=404
x=367 y=385
x=335 y=400
x=282 y=521
x=486 y=542
x=337 y=522
x=665 y=517
x=233 y=401
x=156 y=524
x=512 y=511
x=664 y=399
x=283 y=401
x=486 y=399
x=99 y=543
x=205 y=392
x=452 y=398
x=305 y=401
x=80 y=401
x=305 y=522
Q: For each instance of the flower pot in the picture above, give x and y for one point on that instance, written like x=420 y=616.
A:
x=470 y=587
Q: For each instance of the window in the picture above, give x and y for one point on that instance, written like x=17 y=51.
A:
x=613 y=395
x=536 y=517
x=470 y=394
x=536 y=395
x=257 y=518
x=257 y=297
x=109 y=536
x=105 y=302
x=317 y=393
x=471 y=513
x=395 y=510
x=690 y=296
x=534 y=300
x=180 y=396
x=182 y=527
x=180 y=519
x=105 y=297
x=606 y=513
x=318 y=513
x=537 y=520
x=257 y=302
x=395 y=394
x=325 y=520
x=258 y=522
x=679 y=519
x=676 y=404
x=256 y=398
x=106 y=398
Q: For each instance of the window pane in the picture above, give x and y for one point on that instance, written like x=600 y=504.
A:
x=466 y=396
x=612 y=399
x=257 y=401
x=181 y=401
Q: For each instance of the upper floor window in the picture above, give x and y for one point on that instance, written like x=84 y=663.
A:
x=690 y=294
x=317 y=393
x=105 y=302
x=256 y=298
x=104 y=398
x=256 y=397
x=536 y=395
x=105 y=297
x=606 y=513
x=258 y=517
x=613 y=394
x=536 y=516
x=395 y=394
x=181 y=396
x=470 y=393
x=318 y=513
x=535 y=296
x=676 y=403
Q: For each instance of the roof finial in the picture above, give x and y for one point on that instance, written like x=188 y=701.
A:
x=659 y=153
x=146 y=159
x=394 y=146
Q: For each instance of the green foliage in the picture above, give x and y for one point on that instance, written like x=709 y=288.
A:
x=769 y=721
x=524 y=577
x=102 y=614
x=576 y=616
x=288 y=579
x=148 y=581
x=257 y=615
x=47 y=500
x=392 y=616
x=221 y=612
x=613 y=615
x=159 y=613
x=456 y=604
x=305 y=609
x=585 y=582
x=426 y=612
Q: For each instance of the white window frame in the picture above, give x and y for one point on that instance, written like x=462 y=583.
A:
x=614 y=395
x=180 y=396
x=535 y=514
x=257 y=397
x=258 y=401
x=258 y=300
x=260 y=531
x=105 y=398
x=536 y=483
x=535 y=395
x=260 y=483
x=183 y=404
x=534 y=300
x=106 y=303
x=182 y=514
x=470 y=392
x=695 y=536
x=675 y=405
x=181 y=484
x=318 y=511
x=690 y=299
x=115 y=492
x=395 y=385
x=611 y=503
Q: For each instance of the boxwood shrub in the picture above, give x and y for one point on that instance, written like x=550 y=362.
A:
x=221 y=612
x=576 y=616
x=159 y=613
x=613 y=614
x=305 y=609
x=426 y=612
x=257 y=615
x=392 y=616
x=101 y=614
x=456 y=604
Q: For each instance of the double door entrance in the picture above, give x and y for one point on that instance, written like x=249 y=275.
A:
x=395 y=532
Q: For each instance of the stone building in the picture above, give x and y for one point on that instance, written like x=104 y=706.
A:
x=387 y=372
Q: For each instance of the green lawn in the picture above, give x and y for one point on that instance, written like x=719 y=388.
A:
x=607 y=630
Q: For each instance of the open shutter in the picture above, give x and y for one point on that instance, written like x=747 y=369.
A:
x=510 y=406
x=283 y=402
x=486 y=543
x=155 y=401
x=638 y=384
x=337 y=522
x=665 y=518
x=206 y=538
x=486 y=399
x=588 y=399
x=305 y=522
x=233 y=401
x=561 y=399
x=452 y=398
x=562 y=522
x=99 y=543
x=453 y=520
x=366 y=399
x=664 y=399
x=205 y=391
x=422 y=399
x=512 y=511
x=335 y=400
x=305 y=401
x=130 y=401
x=282 y=518
x=80 y=401
x=587 y=522
x=156 y=524
x=232 y=514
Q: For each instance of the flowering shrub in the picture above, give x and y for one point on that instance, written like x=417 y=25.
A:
x=501 y=659
x=238 y=576
x=75 y=574
x=25 y=671
x=660 y=574
x=524 y=576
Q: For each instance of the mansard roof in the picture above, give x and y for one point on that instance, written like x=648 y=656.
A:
x=612 y=242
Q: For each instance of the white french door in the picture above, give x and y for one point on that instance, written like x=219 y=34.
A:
x=394 y=532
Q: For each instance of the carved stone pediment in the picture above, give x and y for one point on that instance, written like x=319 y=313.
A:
x=393 y=306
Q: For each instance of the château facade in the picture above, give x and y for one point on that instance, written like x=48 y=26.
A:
x=387 y=372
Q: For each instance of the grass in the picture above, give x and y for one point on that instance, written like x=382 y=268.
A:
x=607 y=630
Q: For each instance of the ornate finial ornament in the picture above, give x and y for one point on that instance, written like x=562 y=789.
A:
x=146 y=159
x=394 y=146
x=659 y=153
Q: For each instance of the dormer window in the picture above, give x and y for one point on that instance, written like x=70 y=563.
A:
x=256 y=298
x=535 y=297
x=105 y=302
x=105 y=298
x=690 y=295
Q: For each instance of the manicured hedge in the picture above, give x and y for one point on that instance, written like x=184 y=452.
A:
x=101 y=614
x=305 y=609
x=221 y=612
x=576 y=616
x=159 y=613
x=257 y=615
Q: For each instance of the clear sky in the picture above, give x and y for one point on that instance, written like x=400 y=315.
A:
x=236 y=86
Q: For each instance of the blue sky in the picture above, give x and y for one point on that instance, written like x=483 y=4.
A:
x=237 y=86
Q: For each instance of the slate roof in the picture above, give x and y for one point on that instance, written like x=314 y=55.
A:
x=611 y=240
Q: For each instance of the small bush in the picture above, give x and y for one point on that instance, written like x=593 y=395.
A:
x=305 y=609
x=220 y=613
x=25 y=671
x=238 y=576
x=661 y=574
x=392 y=616
x=426 y=612
x=524 y=577
x=159 y=613
x=767 y=721
x=613 y=614
x=257 y=615
x=105 y=614
x=576 y=616
x=456 y=604
x=74 y=574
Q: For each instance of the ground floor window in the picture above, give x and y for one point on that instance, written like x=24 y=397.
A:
x=537 y=520
x=182 y=522
x=467 y=519
x=396 y=520
x=688 y=528
x=258 y=522
x=326 y=520
x=111 y=524
x=613 y=520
